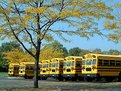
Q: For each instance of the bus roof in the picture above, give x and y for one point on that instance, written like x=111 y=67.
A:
x=45 y=61
x=57 y=59
x=92 y=55
x=14 y=64
x=27 y=63
x=73 y=57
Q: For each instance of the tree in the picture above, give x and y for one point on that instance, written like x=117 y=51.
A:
x=8 y=46
x=58 y=47
x=114 y=25
x=5 y=47
x=31 y=21
x=75 y=51
x=49 y=53
x=97 y=50
x=83 y=52
x=113 y=52
x=17 y=55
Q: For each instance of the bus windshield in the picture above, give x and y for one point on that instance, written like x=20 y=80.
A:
x=88 y=62
x=71 y=63
x=83 y=62
x=44 y=65
x=22 y=67
x=54 y=65
x=94 y=61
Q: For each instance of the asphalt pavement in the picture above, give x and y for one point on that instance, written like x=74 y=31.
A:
x=18 y=82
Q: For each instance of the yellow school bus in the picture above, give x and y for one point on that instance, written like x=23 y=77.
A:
x=101 y=67
x=72 y=68
x=13 y=69
x=26 y=70
x=56 y=68
x=44 y=70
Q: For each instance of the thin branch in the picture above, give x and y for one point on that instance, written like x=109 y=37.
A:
x=25 y=27
x=16 y=35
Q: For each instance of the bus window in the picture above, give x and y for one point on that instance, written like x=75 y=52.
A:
x=118 y=63
x=88 y=62
x=83 y=62
x=68 y=64
x=112 y=62
x=54 y=65
x=10 y=67
x=106 y=62
x=61 y=65
x=44 y=66
x=94 y=62
x=72 y=63
x=64 y=63
x=27 y=68
x=16 y=68
x=78 y=64
x=100 y=62
x=31 y=68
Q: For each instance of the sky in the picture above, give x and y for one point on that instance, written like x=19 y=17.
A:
x=94 y=42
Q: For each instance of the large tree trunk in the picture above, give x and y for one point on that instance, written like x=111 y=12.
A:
x=36 y=66
x=36 y=73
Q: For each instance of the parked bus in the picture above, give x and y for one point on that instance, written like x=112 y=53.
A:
x=56 y=68
x=101 y=67
x=44 y=70
x=13 y=69
x=72 y=68
x=26 y=70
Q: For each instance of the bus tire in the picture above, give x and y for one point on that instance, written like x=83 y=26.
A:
x=119 y=77
x=26 y=77
x=88 y=79
x=74 y=78
x=44 y=78
x=60 y=78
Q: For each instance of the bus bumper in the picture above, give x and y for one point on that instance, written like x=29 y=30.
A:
x=69 y=75
x=44 y=75
x=90 y=75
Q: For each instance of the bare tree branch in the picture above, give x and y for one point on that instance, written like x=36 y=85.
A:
x=25 y=27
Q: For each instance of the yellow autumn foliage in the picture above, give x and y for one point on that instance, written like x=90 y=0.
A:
x=49 y=53
x=17 y=56
x=1 y=11
x=35 y=10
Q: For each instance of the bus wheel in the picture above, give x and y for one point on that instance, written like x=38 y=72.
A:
x=88 y=79
x=109 y=79
x=26 y=77
x=119 y=78
x=74 y=78
x=66 y=79
x=103 y=79
x=60 y=78
x=44 y=78
x=80 y=78
x=96 y=79
x=116 y=79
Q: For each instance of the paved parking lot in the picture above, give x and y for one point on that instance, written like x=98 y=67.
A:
x=17 y=82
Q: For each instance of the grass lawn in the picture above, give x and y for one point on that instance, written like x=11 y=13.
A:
x=3 y=74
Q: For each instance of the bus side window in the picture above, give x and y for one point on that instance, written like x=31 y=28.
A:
x=106 y=62
x=118 y=63
x=112 y=62
x=78 y=63
x=61 y=65
x=100 y=62
x=31 y=68
x=27 y=68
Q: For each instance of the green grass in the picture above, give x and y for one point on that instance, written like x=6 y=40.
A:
x=3 y=74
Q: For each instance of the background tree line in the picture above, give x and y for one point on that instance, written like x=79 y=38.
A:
x=12 y=52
